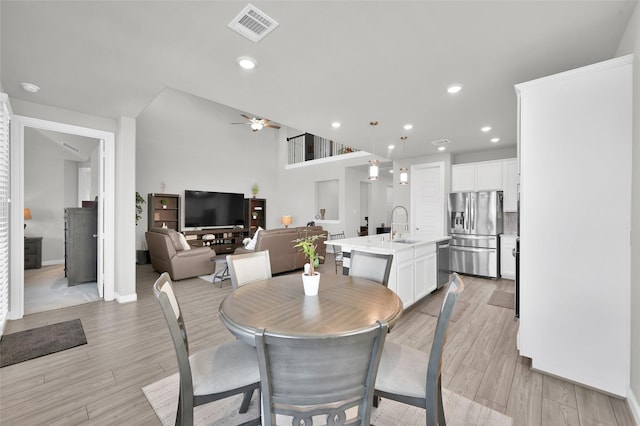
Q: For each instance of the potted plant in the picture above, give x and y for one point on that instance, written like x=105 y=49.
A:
x=164 y=203
x=142 y=256
x=254 y=189
x=310 y=278
x=139 y=202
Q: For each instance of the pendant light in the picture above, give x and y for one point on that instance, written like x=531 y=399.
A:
x=404 y=172
x=374 y=170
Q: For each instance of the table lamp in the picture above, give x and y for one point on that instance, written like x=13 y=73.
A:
x=286 y=221
x=27 y=216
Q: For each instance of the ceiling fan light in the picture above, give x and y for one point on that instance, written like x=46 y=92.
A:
x=247 y=62
x=256 y=126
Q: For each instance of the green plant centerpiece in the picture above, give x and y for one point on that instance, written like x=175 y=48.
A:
x=308 y=246
x=139 y=202
x=254 y=189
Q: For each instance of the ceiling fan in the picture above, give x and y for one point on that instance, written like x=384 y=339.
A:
x=258 y=123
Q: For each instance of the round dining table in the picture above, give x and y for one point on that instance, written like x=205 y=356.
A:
x=279 y=305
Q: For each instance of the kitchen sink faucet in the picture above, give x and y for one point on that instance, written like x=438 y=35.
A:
x=399 y=227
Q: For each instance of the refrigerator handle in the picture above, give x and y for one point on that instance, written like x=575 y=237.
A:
x=467 y=217
x=473 y=212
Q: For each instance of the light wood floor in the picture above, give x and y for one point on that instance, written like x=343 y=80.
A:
x=129 y=347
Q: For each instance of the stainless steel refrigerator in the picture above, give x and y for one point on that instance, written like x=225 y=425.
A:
x=475 y=221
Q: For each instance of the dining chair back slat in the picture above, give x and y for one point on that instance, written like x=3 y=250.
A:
x=372 y=266
x=301 y=378
x=249 y=267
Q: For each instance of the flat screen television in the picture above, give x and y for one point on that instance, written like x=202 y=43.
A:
x=206 y=209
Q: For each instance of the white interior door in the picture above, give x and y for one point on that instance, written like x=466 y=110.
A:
x=101 y=215
x=427 y=199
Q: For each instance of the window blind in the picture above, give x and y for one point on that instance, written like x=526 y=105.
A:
x=4 y=209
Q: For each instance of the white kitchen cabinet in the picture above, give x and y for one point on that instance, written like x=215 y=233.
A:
x=425 y=271
x=510 y=180
x=489 y=176
x=482 y=176
x=507 y=257
x=463 y=177
x=414 y=270
x=575 y=144
x=404 y=275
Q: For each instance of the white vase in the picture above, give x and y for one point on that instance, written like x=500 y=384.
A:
x=311 y=284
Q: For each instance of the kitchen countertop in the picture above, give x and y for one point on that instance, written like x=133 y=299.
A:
x=381 y=243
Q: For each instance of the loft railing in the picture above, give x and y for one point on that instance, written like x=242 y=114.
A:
x=306 y=147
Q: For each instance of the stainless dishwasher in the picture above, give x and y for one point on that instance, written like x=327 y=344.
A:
x=443 y=263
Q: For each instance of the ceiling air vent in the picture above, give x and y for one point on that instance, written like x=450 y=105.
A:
x=441 y=142
x=252 y=23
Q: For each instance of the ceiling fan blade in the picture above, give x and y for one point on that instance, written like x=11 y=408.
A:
x=240 y=123
x=247 y=117
x=273 y=126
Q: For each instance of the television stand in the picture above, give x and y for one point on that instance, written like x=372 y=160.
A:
x=223 y=240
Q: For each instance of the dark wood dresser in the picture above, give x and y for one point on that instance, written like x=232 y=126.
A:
x=80 y=245
x=32 y=252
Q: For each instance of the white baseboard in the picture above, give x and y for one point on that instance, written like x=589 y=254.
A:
x=126 y=299
x=3 y=323
x=52 y=262
x=634 y=407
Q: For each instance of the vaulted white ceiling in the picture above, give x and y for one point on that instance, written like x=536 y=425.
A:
x=346 y=61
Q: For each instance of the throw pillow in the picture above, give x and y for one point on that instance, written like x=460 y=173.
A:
x=175 y=239
x=183 y=242
x=254 y=240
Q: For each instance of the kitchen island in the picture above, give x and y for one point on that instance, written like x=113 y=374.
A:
x=414 y=269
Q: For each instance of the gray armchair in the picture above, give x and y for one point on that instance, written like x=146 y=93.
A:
x=169 y=254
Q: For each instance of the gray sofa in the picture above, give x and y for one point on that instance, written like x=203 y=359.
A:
x=282 y=253
x=168 y=254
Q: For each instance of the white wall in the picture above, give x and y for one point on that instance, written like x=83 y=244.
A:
x=487 y=155
x=125 y=221
x=187 y=142
x=50 y=183
x=631 y=44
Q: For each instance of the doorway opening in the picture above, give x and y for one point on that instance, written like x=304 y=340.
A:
x=82 y=148
x=55 y=274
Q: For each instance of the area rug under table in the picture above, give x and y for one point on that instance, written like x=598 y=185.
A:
x=37 y=342
x=459 y=411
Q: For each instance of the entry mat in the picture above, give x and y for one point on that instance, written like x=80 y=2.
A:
x=502 y=298
x=41 y=341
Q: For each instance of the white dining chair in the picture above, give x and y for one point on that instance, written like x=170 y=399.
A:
x=372 y=266
x=413 y=377
x=300 y=377
x=249 y=267
x=211 y=374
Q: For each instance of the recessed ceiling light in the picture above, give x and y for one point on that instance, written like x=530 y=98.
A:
x=391 y=171
x=246 y=62
x=31 y=88
x=486 y=129
x=408 y=126
x=442 y=148
x=494 y=140
x=336 y=124
x=391 y=146
x=454 y=88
